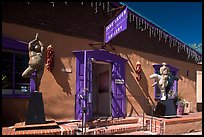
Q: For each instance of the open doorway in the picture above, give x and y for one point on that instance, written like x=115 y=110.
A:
x=101 y=95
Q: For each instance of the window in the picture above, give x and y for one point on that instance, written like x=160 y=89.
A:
x=14 y=62
x=173 y=83
x=13 y=65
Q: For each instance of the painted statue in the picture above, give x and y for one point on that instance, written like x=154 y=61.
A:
x=162 y=79
x=36 y=61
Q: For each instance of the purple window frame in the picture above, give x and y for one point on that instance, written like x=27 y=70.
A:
x=15 y=45
x=173 y=70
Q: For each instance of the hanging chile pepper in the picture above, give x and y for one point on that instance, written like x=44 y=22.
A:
x=50 y=58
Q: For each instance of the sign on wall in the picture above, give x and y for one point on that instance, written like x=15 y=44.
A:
x=116 y=26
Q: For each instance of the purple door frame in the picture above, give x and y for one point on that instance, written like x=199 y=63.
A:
x=84 y=81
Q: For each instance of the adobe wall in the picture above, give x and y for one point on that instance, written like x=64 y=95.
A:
x=58 y=88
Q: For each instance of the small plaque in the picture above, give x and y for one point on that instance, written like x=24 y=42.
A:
x=119 y=81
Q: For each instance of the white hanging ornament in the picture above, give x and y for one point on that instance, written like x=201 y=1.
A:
x=150 y=32
x=170 y=42
x=147 y=27
x=91 y=4
x=53 y=4
x=136 y=23
x=130 y=17
x=145 y=24
x=96 y=9
x=133 y=18
x=184 y=47
x=188 y=52
x=165 y=38
x=103 y=5
x=160 y=35
x=82 y=3
x=99 y=3
x=191 y=53
x=107 y=6
x=178 y=48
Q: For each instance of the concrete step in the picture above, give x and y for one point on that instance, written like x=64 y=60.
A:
x=114 y=129
x=111 y=121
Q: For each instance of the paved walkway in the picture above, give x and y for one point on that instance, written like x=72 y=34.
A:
x=193 y=133
x=149 y=133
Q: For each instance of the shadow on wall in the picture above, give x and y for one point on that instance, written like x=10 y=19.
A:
x=61 y=77
x=138 y=89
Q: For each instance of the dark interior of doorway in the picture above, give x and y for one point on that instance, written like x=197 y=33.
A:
x=101 y=95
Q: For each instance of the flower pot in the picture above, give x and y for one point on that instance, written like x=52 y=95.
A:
x=180 y=109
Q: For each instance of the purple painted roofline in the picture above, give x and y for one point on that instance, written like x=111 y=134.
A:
x=14 y=44
x=118 y=4
x=100 y=50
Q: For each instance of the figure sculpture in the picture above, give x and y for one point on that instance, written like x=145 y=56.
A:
x=162 y=79
x=36 y=61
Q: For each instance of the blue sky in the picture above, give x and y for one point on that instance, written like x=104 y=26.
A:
x=181 y=19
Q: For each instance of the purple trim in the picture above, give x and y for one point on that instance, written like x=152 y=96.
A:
x=14 y=44
x=79 y=84
x=32 y=83
x=85 y=81
x=14 y=70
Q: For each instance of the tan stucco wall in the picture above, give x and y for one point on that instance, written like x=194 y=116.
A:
x=57 y=86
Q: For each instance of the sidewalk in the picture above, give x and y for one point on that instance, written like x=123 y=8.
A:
x=194 y=133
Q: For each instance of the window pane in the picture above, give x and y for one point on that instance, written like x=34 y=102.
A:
x=7 y=66
x=7 y=80
x=20 y=79
x=7 y=55
x=21 y=85
x=21 y=57
x=21 y=61
x=22 y=88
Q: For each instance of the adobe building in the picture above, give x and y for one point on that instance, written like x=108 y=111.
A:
x=108 y=75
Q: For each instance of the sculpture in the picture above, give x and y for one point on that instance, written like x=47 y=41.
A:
x=36 y=61
x=162 y=79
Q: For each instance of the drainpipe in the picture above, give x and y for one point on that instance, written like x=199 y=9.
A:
x=143 y=116
x=84 y=95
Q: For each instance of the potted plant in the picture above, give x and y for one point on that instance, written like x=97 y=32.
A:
x=180 y=103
